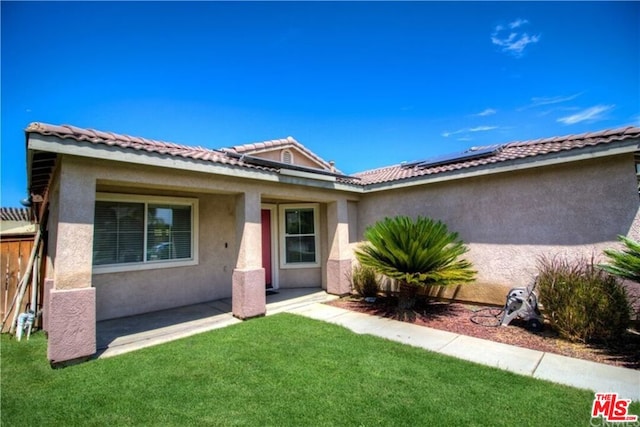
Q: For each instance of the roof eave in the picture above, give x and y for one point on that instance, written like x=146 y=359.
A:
x=54 y=144
x=574 y=155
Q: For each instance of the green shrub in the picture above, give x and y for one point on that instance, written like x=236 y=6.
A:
x=416 y=254
x=581 y=301
x=364 y=281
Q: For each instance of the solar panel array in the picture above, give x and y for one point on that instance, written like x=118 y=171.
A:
x=470 y=154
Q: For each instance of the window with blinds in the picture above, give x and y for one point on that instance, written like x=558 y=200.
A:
x=135 y=231
x=118 y=233
x=168 y=232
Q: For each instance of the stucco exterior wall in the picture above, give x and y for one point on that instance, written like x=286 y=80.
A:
x=132 y=292
x=511 y=219
x=52 y=227
x=298 y=158
x=74 y=238
x=300 y=277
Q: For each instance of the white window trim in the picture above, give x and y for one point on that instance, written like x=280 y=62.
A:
x=275 y=254
x=153 y=265
x=282 y=219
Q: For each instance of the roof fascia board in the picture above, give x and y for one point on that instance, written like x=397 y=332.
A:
x=60 y=146
x=303 y=174
x=509 y=166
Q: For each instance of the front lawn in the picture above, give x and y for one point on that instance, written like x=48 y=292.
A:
x=277 y=370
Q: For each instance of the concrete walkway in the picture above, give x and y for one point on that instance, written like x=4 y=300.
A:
x=123 y=335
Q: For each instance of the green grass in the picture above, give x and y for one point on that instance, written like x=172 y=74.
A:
x=277 y=370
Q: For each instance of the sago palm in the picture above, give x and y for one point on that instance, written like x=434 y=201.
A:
x=416 y=254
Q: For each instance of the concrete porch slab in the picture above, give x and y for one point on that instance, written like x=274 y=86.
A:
x=119 y=336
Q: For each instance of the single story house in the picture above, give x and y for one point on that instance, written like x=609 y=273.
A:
x=137 y=225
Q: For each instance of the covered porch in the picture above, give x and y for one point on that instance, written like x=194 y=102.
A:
x=122 y=335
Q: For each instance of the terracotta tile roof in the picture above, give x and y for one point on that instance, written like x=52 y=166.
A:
x=507 y=152
x=278 y=144
x=15 y=214
x=134 y=143
x=510 y=151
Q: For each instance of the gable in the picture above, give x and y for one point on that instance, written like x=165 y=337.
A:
x=288 y=151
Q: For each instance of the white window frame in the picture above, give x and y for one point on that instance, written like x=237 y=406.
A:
x=316 y=228
x=156 y=264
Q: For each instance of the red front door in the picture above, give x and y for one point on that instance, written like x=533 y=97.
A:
x=266 y=246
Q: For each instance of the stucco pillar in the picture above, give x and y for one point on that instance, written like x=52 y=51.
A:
x=71 y=318
x=248 y=298
x=338 y=268
x=46 y=293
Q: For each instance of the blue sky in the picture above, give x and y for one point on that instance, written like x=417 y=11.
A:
x=363 y=84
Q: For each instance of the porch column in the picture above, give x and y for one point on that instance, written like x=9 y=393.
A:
x=71 y=303
x=248 y=298
x=338 y=269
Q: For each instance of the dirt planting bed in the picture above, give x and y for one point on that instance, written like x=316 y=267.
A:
x=456 y=317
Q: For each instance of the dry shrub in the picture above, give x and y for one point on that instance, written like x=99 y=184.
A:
x=364 y=281
x=581 y=301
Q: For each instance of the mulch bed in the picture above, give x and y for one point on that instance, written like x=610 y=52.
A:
x=456 y=317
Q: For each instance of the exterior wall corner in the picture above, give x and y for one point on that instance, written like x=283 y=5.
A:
x=248 y=294
x=338 y=273
x=71 y=324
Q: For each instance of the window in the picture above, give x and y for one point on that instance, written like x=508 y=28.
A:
x=132 y=232
x=299 y=239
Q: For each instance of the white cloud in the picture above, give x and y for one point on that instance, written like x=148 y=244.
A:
x=590 y=114
x=540 y=101
x=486 y=112
x=482 y=128
x=518 y=23
x=514 y=41
x=447 y=134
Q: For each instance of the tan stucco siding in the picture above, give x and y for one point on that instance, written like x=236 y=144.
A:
x=131 y=292
x=52 y=228
x=511 y=219
x=74 y=235
x=298 y=158
x=126 y=293
x=300 y=277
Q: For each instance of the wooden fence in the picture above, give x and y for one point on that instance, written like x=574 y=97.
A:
x=14 y=256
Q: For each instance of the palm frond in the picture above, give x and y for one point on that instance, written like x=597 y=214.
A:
x=625 y=263
x=420 y=253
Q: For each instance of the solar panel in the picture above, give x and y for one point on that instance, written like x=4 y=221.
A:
x=472 y=153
